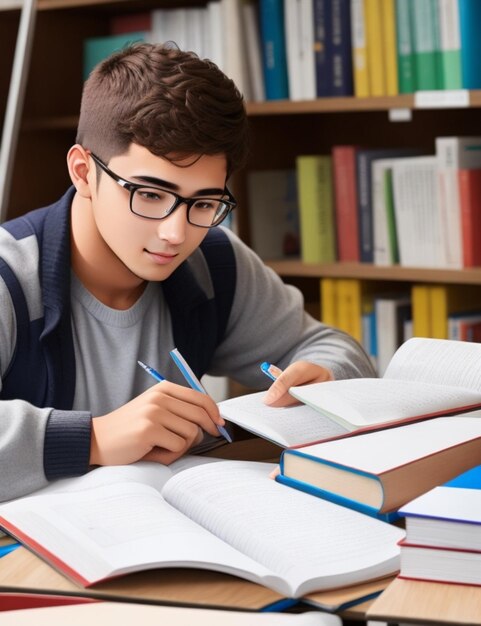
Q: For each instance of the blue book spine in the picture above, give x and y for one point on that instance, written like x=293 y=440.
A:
x=341 y=55
x=323 y=47
x=271 y=14
x=469 y=22
x=337 y=499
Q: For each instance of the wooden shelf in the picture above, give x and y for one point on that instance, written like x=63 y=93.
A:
x=294 y=268
x=330 y=105
x=134 y=5
x=278 y=107
x=345 y=105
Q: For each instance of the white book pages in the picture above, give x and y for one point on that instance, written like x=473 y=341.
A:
x=417 y=210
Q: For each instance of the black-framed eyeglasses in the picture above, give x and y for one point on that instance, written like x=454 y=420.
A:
x=155 y=203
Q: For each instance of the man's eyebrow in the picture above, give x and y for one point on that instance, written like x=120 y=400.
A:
x=165 y=184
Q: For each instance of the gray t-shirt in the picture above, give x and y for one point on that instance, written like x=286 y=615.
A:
x=267 y=322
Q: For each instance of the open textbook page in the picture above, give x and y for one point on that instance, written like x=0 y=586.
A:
x=289 y=426
x=425 y=378
x=226 y=516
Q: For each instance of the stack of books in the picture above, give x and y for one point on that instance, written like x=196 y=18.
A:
x=443 y=534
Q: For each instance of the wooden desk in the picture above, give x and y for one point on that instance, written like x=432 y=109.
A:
x=423 y=602
x=22 y=572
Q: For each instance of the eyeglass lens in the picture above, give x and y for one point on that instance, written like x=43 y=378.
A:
x=157 y=203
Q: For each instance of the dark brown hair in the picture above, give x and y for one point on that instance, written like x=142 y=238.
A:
x=166 y=100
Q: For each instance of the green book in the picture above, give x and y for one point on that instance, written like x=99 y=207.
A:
x=450 y=44
x=97 y=49
x=316 y=210
x=426 y=43
x=404 y=47
x=390 y=216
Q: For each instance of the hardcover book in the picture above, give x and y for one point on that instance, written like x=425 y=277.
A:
x=379 y=472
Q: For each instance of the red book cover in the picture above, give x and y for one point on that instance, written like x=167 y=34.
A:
x=470 y=200
x=345 y=203
x=14 y=601
x=130 y=23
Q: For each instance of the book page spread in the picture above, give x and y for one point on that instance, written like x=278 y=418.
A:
x=290 y=426
x=225 y=516
x=120 y=528
x=291 y=533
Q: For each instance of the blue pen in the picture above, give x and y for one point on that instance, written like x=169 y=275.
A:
x=194 y=382
x=151 y=371
x=270 y=370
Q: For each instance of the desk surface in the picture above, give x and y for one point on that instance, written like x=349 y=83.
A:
x=424 y=602
x=24 y=572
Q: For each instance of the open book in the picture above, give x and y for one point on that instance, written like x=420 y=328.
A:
x=227 y=516
x=425 y=378
x=286 y=427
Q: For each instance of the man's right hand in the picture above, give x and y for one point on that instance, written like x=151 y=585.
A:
x=160 y=425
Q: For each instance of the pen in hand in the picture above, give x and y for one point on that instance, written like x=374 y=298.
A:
x=150 y=370
x=195 y=383
x=272 y=371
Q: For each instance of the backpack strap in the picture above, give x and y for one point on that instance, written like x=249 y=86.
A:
x=26 y=357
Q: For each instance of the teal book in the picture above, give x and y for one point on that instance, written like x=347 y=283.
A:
x=404 y=47
x=450 y=44
x=470 y=19
x=271 y=14
x=426 y=44
x=97 y=49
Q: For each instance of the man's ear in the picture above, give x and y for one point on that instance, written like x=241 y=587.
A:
x=82 y=170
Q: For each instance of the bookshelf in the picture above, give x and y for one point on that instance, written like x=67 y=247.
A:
x=281 y=129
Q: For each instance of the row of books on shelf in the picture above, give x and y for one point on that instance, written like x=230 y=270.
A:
x=224 y=31
x=387 y=206
x=306 y=49
x=381 y=320
x=369 y=47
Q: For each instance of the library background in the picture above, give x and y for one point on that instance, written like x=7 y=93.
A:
x=363 y=186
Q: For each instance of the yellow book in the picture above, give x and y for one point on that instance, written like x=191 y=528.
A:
x=329 y=301
x=354 y=297
x=421 y=308
x=375 y=52
x=316 y=209
x=359 y=49
x=448 y=299
x=388 y=18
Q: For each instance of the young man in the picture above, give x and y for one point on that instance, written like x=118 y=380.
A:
x=129 y=264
